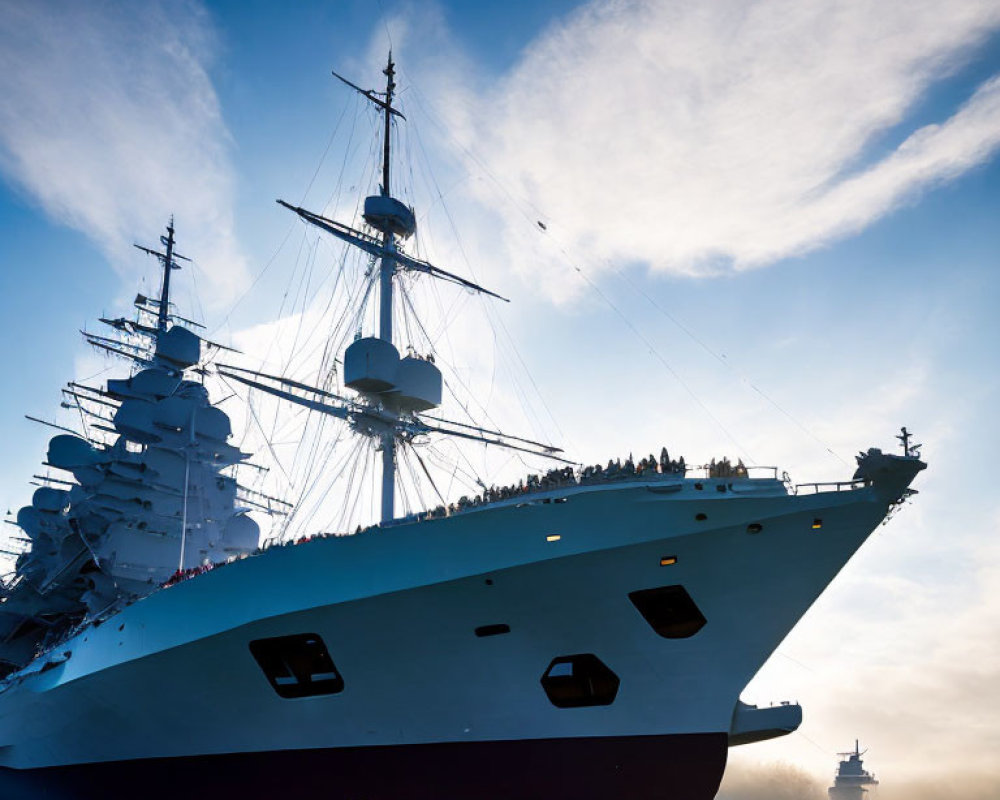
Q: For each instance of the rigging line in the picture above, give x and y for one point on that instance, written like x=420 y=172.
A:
x=255 y=281
x=818 y=747
x=385 y=24
x=428 y=108
x=267 y=442
x=725 y=361
x=304 y=286
x=408 y=507
x=310 y=485
x=281 y=306
x=418 y=484
x=452 y=370
x=348 y=460
x=308 y=305
x=301 y=292
x=498 y=320
x=528 y=217
x=96 y=374
x=195 y=269
x=430 y=479
x=314 y=442
x=445 y=463
x=358 y=463
x=328 y=342
x=325 y=343
x=369 y=466
x=326 y=151
x=477 y=478
x=659 y=356
x=349 y=153
x=83 y=419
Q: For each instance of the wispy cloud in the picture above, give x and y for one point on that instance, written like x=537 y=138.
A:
x=774 y=781
x=109 y=121
x=781 y=781
x=703 y=137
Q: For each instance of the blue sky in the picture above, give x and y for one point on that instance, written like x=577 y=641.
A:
x=788 y=210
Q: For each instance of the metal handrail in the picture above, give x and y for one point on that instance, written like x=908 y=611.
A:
x=839 y=486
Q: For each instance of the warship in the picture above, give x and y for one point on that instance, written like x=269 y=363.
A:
x=852 y=778
x=583 y=634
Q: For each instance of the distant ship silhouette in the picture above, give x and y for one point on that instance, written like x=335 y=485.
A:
x=851 y=779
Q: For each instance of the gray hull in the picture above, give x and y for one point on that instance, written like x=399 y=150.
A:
x=172 y=676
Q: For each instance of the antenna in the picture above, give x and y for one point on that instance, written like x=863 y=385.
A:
x=904 y=437
x=167 y=260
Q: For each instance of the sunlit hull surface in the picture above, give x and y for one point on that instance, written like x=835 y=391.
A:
x=167 y=696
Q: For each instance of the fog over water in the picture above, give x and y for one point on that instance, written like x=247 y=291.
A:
x=785 y=781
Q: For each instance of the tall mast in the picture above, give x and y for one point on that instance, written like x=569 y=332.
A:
x=168 y=264
x=385 y=409
x=390 y=85
x=386 y=270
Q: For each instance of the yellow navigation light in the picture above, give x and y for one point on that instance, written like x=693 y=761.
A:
x=553 y=537
x=666 y=561
x=817 y=524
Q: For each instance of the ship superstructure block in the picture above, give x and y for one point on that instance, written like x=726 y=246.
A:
x=372 y=366
x=130 y=510
x=389 y=215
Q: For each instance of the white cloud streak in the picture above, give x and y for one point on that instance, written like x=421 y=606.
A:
x=700 y=138
x=109 y=121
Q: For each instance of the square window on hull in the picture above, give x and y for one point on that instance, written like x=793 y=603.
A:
x=298 y=665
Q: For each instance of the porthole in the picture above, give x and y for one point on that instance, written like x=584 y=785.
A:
x=580 y=680
x=701 y=517
x=669 y=610
x=754 y=527
x=817 y=524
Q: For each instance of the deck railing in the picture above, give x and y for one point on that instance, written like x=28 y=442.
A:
x=836 y=486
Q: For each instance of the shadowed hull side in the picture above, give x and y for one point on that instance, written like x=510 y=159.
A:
x=674 y=767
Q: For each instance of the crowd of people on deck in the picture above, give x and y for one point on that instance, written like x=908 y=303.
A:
x=184 y=574
x=565 y=476
x=726 y=469
x=557 y=478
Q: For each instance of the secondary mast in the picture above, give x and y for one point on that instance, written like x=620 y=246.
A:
x=168 y=260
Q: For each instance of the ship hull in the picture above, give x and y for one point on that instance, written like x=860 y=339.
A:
x=675 y=767
x=429 y=708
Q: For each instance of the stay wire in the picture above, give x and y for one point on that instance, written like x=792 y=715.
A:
x=722 y=359
x=495 y=319
x=656 y=353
